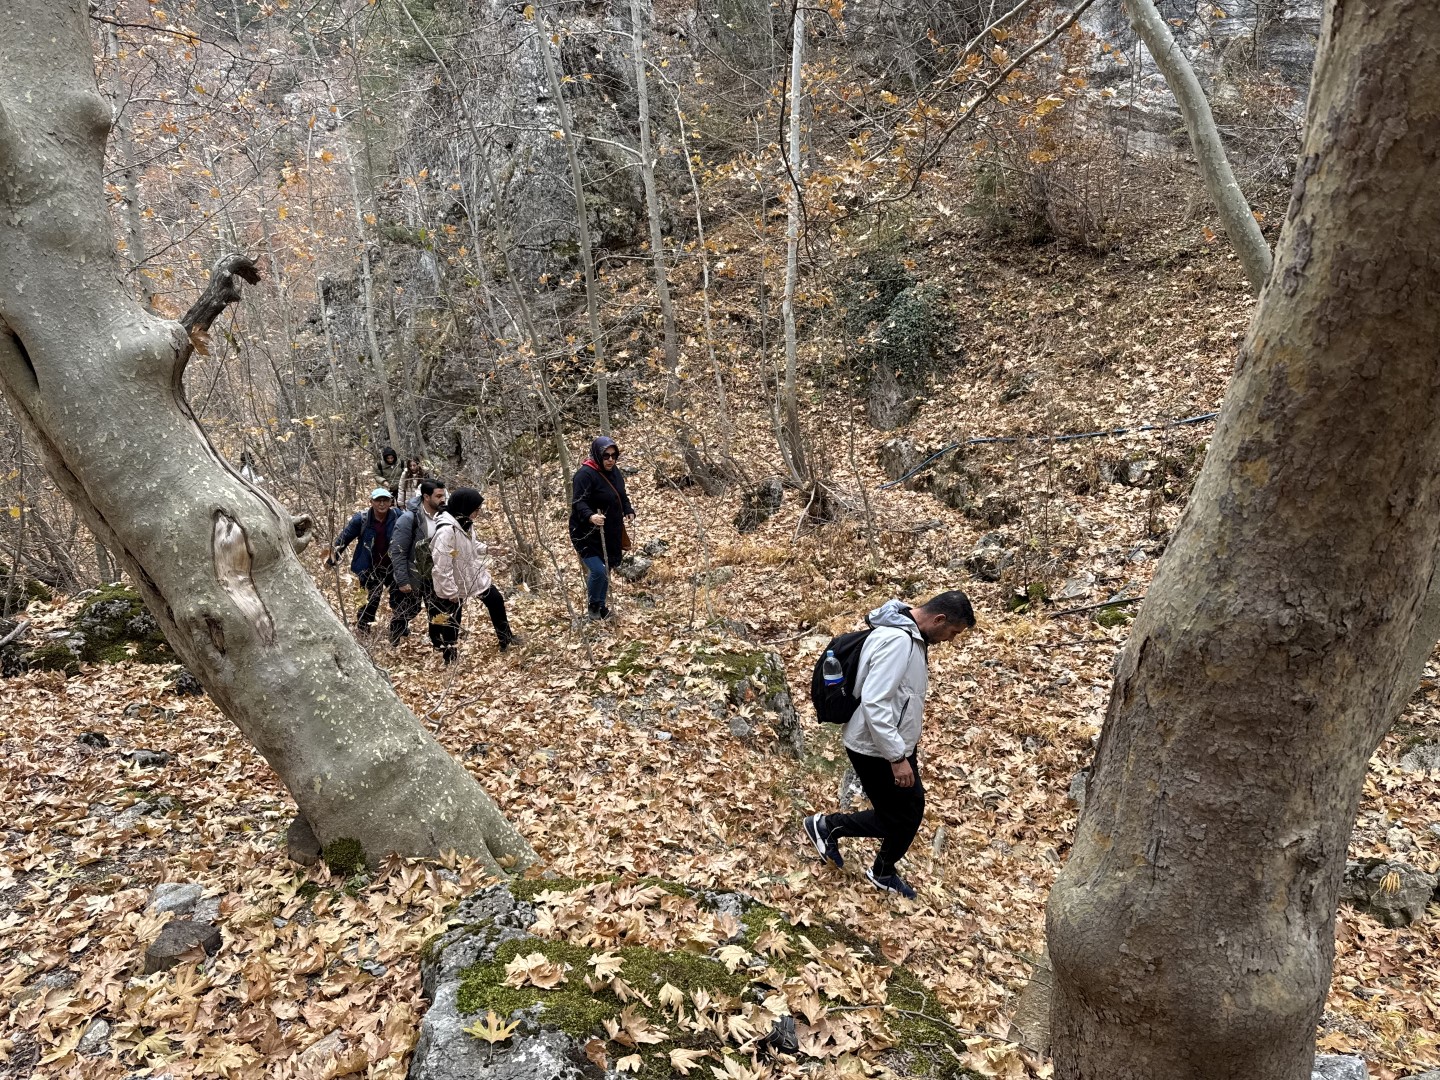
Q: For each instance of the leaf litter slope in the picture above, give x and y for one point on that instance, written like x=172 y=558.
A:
x=611 y=748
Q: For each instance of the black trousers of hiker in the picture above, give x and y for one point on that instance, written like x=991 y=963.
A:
x=404 y=606
x=445 y=632
x=375 y=582
x=895 y=812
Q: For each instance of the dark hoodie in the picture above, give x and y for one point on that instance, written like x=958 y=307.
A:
x=389 y=469
x=596 y=491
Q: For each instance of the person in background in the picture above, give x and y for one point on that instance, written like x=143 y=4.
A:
x=412 y=556
x=462 y=573
x=598 y=511
x=882 y=737
x=248 y=471
x=388 y=470
x=408 y=497
x=371 y=530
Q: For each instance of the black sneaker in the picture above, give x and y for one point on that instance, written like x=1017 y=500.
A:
x=820 y=836
x=891 y=882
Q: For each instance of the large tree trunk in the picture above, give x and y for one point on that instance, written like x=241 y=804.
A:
x=98 y=383
x=1192 y=929
x=1224 y=189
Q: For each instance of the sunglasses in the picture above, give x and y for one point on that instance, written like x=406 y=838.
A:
x=611 y=454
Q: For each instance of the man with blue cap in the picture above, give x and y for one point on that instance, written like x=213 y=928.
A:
x=373 y=529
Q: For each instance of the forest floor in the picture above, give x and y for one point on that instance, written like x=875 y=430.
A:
x=612 y=747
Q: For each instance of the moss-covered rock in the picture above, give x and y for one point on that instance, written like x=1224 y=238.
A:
x=344 y=856
x=1118 y=615
x=116 y=627
x=55 y=656
x=639 y=969
x=757 y=678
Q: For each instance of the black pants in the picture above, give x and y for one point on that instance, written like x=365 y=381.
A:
x=404 y=606
x=375 y=582
x=895 y=812
x=446 y=615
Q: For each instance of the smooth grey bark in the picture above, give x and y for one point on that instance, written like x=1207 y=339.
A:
x=367 y=291
x=98 y=383
x=1191 y=932
x=722 y=399
x=652 y=200
x=582 y=222
x=789 y=403
x=1235 y=214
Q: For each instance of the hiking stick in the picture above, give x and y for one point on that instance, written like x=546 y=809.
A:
x=605 y=558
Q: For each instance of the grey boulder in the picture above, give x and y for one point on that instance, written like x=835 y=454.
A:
x=96 y=1039
x=178 y=938
x=1339 y=1067
x=1422 y=758
x=148 y=759
x=990 y=557
x=634 y=568
x=177 y=896
x=1392 y=892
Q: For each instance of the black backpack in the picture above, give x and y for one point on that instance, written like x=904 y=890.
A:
x=835 y=705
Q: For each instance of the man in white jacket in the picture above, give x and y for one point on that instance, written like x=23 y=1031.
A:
x=882 y=737
x=461 y=572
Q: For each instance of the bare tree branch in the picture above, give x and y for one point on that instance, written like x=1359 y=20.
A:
x=222 y=291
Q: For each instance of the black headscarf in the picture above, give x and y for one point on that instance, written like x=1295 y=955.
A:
x=463 y=502
x=598 y=448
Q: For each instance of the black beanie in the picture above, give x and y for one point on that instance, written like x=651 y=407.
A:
x=463 y=502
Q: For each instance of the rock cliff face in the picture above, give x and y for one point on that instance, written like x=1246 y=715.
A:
x=1254 y=58
x=492 y=173
x=518 y=116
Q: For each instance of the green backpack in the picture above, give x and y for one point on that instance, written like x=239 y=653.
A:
x=422 y=560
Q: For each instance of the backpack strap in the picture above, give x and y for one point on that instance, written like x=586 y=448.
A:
x=619 y=499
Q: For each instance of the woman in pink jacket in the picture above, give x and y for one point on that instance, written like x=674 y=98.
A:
x=462 y=573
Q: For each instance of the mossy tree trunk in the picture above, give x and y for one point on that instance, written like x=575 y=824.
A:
x=98 y=383
x=1192 y=930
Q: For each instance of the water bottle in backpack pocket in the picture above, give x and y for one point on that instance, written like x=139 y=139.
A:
x=832 y=684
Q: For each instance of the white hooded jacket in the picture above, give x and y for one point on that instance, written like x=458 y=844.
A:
x=462 y=562
x=890 y=682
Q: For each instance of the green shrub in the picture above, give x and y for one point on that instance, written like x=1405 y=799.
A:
x=900 y=324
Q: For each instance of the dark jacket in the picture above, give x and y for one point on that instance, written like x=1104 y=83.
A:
x=390 y=472
x=597 y=492
x=408 y=530
x=362 y=527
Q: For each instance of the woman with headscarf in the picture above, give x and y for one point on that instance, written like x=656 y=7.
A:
x=462 y=572
x=598 y=509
